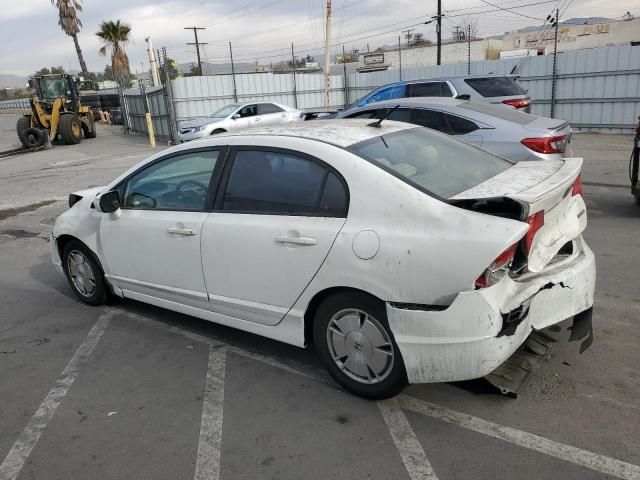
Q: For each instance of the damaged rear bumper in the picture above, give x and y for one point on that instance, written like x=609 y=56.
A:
x=482 y=328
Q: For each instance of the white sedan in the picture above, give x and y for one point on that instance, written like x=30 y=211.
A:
x=401 y=253
x=235 y=117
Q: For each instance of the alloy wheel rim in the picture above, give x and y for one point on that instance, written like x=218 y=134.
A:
x=360 y=346
x=81 y=273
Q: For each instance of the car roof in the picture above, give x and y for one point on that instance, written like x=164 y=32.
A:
x=415 y=101
x=452 y=77
x=341 y=133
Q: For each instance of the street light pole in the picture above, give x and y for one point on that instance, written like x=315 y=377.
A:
x=439 y=32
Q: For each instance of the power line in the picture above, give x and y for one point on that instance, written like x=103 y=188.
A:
x=510 y=11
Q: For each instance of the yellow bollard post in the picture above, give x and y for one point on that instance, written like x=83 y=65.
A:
x=152 y=138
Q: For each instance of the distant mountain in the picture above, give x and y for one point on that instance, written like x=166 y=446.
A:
x=571 y=21
x=12 y=81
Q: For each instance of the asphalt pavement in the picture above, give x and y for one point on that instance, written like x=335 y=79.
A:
x=133 y=391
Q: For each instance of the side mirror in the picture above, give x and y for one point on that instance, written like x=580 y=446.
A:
x=464 y=96
x=107 y=202
x=235 y=116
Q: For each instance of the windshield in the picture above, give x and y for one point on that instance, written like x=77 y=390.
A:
x=225 y=111
x=431 y=161
x=53 y=87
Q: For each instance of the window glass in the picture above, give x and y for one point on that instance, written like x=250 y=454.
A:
x=399 y=115
x=273 y=182
x=334 y=196
x=224 y=111
x=460 y=126
x=430 y=89
x=388 y=93
x=177 y=183
x=265 y=108
x=500 y=111
x=248 y=111
x=365 y=114
x=495 y=86
x=432 y=161
x=430 y=119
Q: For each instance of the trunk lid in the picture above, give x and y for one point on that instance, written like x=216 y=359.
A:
x=544 y=186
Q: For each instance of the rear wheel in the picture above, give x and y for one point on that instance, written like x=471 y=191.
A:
x=70 y=128
x=34 y=137
x=89 y=127
x=22 y=125
x=84 y=274
x=353 y=338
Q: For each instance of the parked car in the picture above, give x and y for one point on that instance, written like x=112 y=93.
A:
x=498 y=89
x=502 y=131
x=400 y=252
x=235 y=117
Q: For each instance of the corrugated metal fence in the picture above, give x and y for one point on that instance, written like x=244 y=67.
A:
x=137 y=102
x=597 y=89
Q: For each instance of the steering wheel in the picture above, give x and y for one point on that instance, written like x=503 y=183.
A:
x=192 y=183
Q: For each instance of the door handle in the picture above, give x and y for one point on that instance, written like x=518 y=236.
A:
x=307 y=241
x=181 y=231
x=257 y=119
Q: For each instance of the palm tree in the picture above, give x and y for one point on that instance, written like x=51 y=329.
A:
x=115 y=35
x=71 y=25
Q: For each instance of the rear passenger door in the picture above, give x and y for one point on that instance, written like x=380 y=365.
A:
x=274 y=221
x=270 y=114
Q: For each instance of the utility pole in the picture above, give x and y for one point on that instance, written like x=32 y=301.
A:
x=439 y=32
x=197 y=44
x=345 y=80
x=233 y=75
x=293 y=65
x=400 y=56
x=155 y=75
x=327 y=42
x=468 y=49
x=555 y=72
x=408 y=35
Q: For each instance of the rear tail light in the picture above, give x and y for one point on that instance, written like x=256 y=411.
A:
x=546 y=144
x=517 y=102
x=576 y=189
x=498 y=268
x=536 y=222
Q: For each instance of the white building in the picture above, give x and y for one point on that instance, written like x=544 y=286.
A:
x=458 y=52
x=575 y=37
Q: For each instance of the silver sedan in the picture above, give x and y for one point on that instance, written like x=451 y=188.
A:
x=505 y=132
x=235 y=117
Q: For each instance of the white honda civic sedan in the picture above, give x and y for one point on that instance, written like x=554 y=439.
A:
x=402 y=254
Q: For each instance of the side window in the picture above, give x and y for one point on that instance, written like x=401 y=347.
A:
x=176 y=183
x=460 y=126
x=272 y=182
x=430 y=119
x=264 y=108
x=430 y=89
x=389 y=93
x=400 y=115
x=334 y=197
x=248 y=111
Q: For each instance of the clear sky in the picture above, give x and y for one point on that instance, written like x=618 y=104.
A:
x=30 y=37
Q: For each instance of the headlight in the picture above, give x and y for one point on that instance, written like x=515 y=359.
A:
x=197 y=129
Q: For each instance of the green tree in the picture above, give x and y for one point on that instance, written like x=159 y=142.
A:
x=171 y=70
x=71 y=25
x=115 y=36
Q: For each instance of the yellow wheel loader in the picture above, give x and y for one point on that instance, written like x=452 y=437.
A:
x=55 y=110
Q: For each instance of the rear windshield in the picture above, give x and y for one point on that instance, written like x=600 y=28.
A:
x=503 y=112
x=495 y=86
x=431 y=161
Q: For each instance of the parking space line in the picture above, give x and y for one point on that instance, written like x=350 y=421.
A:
x=584 y=458
x=24 y=445
x=210 y=442
x=409 y=447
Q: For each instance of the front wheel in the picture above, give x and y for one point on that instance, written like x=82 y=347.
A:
x=70 y=128
x=84 y=274
x=353 y=338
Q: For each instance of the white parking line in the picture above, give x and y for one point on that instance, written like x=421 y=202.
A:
x=412 y=454
x=210 y=442
x=584 y=458
x=24 y=445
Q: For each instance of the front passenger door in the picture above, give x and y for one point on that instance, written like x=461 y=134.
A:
x=248 y=115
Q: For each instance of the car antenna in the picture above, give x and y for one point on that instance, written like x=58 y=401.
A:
x=378 y=123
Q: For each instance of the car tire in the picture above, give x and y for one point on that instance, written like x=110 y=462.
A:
x=70 y=128
x=34 y=137
x=352 y=335
x=84 y=274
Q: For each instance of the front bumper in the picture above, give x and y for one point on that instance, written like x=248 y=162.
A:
x=467 y=340
x=185 y=137
x=55 y=254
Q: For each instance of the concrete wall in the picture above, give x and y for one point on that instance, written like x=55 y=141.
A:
x=575 y=37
